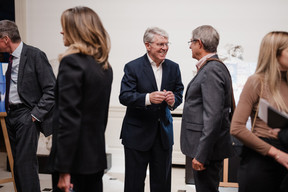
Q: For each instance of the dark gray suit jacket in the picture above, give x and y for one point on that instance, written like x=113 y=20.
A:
x=205 y=122
x=35 y=86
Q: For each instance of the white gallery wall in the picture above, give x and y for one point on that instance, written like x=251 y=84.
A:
x=238 y=22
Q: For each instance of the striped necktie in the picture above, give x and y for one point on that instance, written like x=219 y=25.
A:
x=8 y=79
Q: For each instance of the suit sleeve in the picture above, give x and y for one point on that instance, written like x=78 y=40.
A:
x=129 y=96
x=213 y=94
x=69 y=101
x=283 y=137
x=46 y=82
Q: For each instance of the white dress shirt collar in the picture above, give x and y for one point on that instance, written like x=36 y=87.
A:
x=17 y=52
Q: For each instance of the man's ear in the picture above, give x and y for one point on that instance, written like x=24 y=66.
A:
x=148 y=46
x=200 y=44
x=6 y=39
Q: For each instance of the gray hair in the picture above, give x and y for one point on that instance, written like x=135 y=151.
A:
x=151 y=32
x=208 y=36
x=10 y=29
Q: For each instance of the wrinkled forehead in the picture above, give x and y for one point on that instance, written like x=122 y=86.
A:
x=160 y=38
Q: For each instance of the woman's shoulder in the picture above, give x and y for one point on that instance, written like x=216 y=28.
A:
x=75 y=56
x=74 y=61
x=255 y=80
x=253 y=86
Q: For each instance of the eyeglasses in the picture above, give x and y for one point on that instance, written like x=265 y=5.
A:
x=162 y=44
x=191 y=41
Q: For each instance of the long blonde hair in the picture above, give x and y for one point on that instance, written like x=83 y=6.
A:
x=85 y=33
x=268 y=66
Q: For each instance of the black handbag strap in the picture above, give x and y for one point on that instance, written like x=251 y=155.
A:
x=257 y=109
x=233 y=105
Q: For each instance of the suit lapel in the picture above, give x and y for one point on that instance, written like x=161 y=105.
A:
x=149 y=72
x=165 y=75
x=188 y=86
x=22 y=64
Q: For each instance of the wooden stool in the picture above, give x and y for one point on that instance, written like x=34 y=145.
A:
x=225 y=182
x=189 y=178
x=8 y=149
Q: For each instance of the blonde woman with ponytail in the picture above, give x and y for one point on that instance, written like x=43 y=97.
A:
x=82 y=99
x=264 y=160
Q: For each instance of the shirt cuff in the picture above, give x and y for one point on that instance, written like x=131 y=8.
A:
x=35 y=118
x=172 y=105
x=147 y=99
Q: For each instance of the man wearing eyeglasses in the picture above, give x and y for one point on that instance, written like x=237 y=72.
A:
x=205 y=135
x=150 y=88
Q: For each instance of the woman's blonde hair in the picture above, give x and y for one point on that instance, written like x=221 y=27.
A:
x=85 y=33
x=268 y=66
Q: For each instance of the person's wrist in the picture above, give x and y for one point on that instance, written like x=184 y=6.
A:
x=277 y=156
x=172 y=105
x=274 y=153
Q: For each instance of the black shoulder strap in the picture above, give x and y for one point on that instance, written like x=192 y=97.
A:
x=232 y=92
